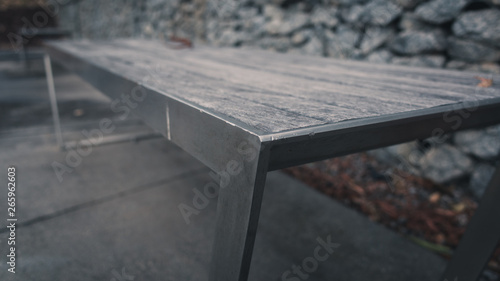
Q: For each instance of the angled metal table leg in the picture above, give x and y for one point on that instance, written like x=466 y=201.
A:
x=53 y=99
x=480 y=238
x=238 y=210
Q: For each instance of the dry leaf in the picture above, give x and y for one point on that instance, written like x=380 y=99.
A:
x=445 y=213
x=434 y=197
x=358 y=189
x=459 y=207
x=430 y=223
x=440 y=238
x=485 y=82
x=388 y=209
x=78 y=112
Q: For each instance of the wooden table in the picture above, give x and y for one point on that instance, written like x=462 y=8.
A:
x=246 y=112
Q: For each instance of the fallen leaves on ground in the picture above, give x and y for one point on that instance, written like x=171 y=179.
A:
x=434 y=215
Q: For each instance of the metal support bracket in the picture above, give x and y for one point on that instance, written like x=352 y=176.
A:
x=53 y=99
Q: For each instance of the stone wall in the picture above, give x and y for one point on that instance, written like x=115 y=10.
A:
x=455 y=34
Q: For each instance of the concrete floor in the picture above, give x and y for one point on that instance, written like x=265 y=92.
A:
x=116 y=215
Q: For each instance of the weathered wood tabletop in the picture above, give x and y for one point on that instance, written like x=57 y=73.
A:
x=214 y=102
x=272 y=93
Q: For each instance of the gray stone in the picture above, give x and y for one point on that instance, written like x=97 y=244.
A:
x=357 y=54
x=352 y=2
x=341 y=44
x=212 y=30
x=493 y=130
x=483 y=26
x=288 y=24
x=254 y=26
x=353 y=14
x=233 y=38
x=417 y=42
x=380 y=12
x=440 y=11
x=480 y=143
x=410 y=152
x=299 y=6
x=409 y=21
x=261 y=3
x=279 y=44
x=445 y=163
x=155 y=4
x=384 y=156
x=407 y=156
x=313 y=47
x=348 y=35
x=228 y=38
x=301 y=36
x=480 y=179
x=382 y=56
x=435 y=61
x=339 y=51
x=471 y=51
x=272 y=12
x=223 y=9
x=408 y=4
x=375 y=37
x=247 y=13
x=325 y=16
x=457 y=64
x=188 y=7
x=402 y=156
x=486 y=67
x=278 y=2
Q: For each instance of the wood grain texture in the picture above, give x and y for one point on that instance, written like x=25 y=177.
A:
x=274 y=93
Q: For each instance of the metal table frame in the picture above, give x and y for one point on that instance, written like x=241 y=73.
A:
x=228 y=146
